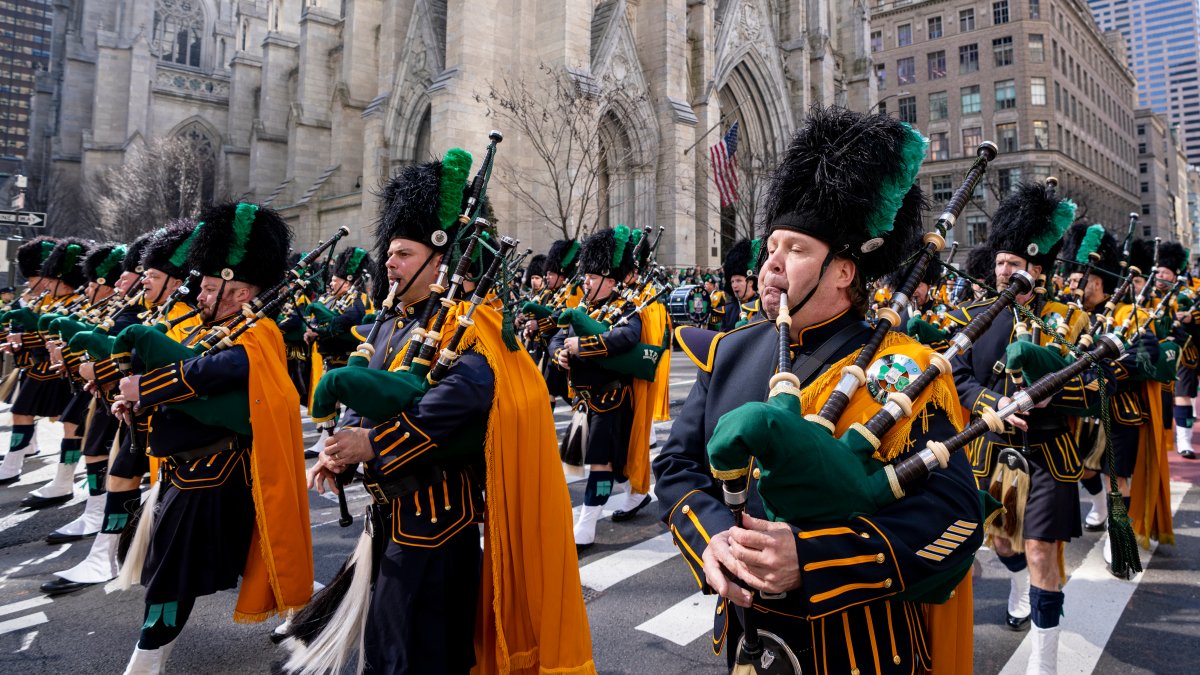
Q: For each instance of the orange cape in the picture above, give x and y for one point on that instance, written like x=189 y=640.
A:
x=532 y=617
x=651 y=400
x=279 y=569
x=1150 y=486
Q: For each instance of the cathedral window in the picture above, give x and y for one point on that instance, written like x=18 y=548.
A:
x=178 y=31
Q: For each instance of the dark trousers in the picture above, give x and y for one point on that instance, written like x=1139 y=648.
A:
x=422 y=617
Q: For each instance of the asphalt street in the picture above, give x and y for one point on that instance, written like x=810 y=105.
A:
x=645 y=611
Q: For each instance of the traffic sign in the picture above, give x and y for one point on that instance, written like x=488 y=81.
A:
x=26 y=218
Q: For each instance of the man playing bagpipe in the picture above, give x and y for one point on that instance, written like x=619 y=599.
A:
x=106 y=284
x=843 y=210
x=1173 y=266
x=45 y=387
x=741 y=304
x=1093 y=268
x=438 y=604
x=230 y=500
x=1032 y=467
x=154 y=270
x=562 y=291
x=603 y=395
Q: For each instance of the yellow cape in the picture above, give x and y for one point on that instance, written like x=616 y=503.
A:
x=651 y=400
x=1150 y=486
x=279 y=569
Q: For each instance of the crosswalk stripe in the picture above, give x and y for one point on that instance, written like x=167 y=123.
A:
x=684 y=622
x=22 y=622
x=1095 y=600
x=13 y=608
x=610 y=570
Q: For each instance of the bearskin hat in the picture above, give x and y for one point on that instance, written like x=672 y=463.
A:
x=66 y=260
x=1141 y=256
x=351 y=262
x=981 y=264
x=133 y=253
x=607 y=253
x=164 y=249
x=103 y=263
x=1084 y=242
x=739 y=261
x=32 y=254
x=563 y=257
x=422 y=203
x=537 y=266
x=1030 y=223
x=238 y=241
x=849 y=179
x=1172 y=256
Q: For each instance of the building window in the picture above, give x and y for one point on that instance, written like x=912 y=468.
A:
x=876 y=41
x=1037 y=90
x=1008 y=179
x=177 y=33
x=1040 y=173
x=1037 y=48
x=1145 y=187
x=1006 y=134
x=1002 y=49
x=938 y=108
x=906 y=70
x=972 y=137
x=1035 y=9
x=937 y=64
x=935 y=27
x=1141 y=148
x=1141 y=130
x=1006 y=94
x=1145 y=209
x=908 y=109
x=976 y=230
x=881 y=77
x=1142 y=167
x=999 y=12
x=903 y=35
x=939 y=145
x=1146 y=231
x=968 y=59
x=943 y=188
x=966 y=20
x=1041 y=135
x=970 y=100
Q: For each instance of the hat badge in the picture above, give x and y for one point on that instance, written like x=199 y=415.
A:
x=439 y=238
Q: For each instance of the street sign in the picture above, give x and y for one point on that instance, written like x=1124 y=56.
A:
x=26 y=218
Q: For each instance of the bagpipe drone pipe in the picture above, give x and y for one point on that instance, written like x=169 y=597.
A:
x=230 y=410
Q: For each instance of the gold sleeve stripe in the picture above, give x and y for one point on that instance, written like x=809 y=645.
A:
x=931 y=556
x=822 y=597
x=691 y=514
x=840 y=562
x=809 y=534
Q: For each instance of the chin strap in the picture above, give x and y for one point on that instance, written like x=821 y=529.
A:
x=824 y=268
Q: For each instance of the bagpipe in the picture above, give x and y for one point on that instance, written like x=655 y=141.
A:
x=154 y=349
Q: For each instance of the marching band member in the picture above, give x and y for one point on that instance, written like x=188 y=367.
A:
x=843 y=210
x=240 y=499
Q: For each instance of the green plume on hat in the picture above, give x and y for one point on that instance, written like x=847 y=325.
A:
x=180 y=256
x=115 y=256
x=621 y=237
x=356 y=259
x=894 y=187
x=456 y=167
x=71 y=259
x=1090 y=244
x=47 y=247
x=243 y=222
x=634 y=237
x=1060 y=220
x=755 y=252
x=570 y=255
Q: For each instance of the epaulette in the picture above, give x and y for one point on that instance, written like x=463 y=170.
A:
x=361 y=332
x=962 y=315
x=699 y=344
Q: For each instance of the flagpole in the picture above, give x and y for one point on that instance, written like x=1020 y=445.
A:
x=714 y=127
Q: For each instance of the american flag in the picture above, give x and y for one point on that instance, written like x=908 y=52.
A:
x=724 y=165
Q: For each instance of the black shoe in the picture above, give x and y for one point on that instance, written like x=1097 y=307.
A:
x=61 y=586
x=580 y=548
x=1088 y=527
x=1187 y=453
x=10 y=480
x=311 y=454
x=622 y=516
x=277 y=637
x=57 y=538
x=33 y=503
x=1016 y=625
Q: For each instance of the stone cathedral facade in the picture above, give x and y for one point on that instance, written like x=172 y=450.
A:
x=309 y=105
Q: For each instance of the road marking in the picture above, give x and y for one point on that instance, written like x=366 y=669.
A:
x=23 y=605
x=684 y=622
x=27 y=641
x=682 y=383
x=1095 y=600
x=602 y=574
x=23 y=622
